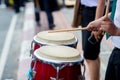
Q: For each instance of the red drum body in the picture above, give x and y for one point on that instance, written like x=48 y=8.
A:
x=45 y=71
x=49 y=67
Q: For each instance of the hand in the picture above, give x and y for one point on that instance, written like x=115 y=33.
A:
x=98 y=35
x=96 y=24
x=109 y=27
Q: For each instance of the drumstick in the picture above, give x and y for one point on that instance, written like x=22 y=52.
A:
x=67 y=30
x=107 y=12
x=107 y=8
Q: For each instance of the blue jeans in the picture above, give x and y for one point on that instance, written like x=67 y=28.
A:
x=48 y=12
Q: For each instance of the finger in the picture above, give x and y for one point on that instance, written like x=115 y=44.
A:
x=106 y=18
x=102 y=29
x=97 y=38
x=89 y=27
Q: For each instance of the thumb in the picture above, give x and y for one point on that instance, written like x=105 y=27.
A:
x=106 y=18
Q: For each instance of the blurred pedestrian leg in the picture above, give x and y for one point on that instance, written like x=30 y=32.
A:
x=37 y=12
x=63 y=3
x=49 y=14
x=7 y=3
x=50 y=6
x=17 y=6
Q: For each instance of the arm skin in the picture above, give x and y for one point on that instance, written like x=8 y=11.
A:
x=109 y=27
x=100 y=9
x=99 y=13
x=104 y=24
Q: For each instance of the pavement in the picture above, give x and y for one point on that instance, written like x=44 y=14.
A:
x=62 y=21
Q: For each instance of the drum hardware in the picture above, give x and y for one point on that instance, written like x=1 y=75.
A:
x=31 y=74
x=31 y=50
x=58 y=67
x=84 y=69
x=51 y=78
x=83 y=75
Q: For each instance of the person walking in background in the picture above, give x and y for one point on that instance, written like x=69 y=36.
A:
x=111 y=25
x=49 y=6
x=88 y=10
x=63 y=3
x=0 y=1
x=37 y=11
x=8 y=5
x=17 y=6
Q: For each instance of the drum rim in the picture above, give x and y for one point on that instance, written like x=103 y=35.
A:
x=49 y=61
x=45 y=43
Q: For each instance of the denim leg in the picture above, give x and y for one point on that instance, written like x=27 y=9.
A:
x=37 y=10
x=48 y=12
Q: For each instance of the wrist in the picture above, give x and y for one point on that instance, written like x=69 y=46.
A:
x=117 y=32
x=102 y=18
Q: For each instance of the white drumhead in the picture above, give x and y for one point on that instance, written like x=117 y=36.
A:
x=58 y=53
x=57 y=38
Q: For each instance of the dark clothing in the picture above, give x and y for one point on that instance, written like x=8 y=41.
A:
x=17 y=6
x=48 y=6
x=7 y=3
x=52 y=5
x=111 y=3
x=113 y=68
x=37 y=10
x=90 y=51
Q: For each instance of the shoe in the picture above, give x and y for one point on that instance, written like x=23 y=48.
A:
x=51 y=26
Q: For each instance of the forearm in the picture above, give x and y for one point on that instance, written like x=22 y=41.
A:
x=117 y=32
x=100 y=9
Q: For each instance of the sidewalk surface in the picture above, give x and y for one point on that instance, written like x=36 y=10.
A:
x=62 y=22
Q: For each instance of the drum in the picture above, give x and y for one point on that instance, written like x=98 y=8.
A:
x=57 y=63
x=59 y=38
